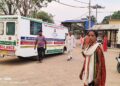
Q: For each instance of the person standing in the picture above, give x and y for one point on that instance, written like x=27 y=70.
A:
x=94 y=70
x=70 y=44
x=65 y=47
x=105 y=42
x=40 y=43
x=85 y=46
x=81 y=41
x=86 y=42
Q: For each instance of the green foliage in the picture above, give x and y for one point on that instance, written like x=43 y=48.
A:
x=116 y=15
x=44 y=16
x=106 y=20
x=92 y=18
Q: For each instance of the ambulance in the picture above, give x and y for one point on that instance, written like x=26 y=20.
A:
x=18 y=34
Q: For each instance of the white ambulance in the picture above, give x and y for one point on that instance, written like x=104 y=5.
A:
x=18 y=34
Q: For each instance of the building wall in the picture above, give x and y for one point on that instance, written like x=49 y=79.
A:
x=114 y=21
x=111 y=35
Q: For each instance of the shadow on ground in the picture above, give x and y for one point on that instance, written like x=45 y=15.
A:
x=21 y=60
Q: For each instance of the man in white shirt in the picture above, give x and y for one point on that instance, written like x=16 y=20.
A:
x=70 y=44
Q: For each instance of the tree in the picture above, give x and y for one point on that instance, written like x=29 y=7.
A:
x=92 y=18
x=44 y=16
x=8 y=7
x=24 y=7
x=106 y=20
x=115 y=15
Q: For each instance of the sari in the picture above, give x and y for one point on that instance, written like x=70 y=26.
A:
x=94 y=70
x=105 y=42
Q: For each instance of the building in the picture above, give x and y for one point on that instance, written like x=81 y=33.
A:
x=83 y=23
x=111 y=30
x=78 y=26
x=114 y=21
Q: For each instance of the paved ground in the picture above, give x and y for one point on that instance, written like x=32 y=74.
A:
x=54 y=71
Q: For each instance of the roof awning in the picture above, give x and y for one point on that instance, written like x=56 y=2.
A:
x=75 y=21
x=106 y=27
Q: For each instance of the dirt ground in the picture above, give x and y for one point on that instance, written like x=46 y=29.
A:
x=54 y=71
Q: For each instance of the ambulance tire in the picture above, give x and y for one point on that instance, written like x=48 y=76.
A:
x=65 y=48
x=20 y=57
x=118 y=67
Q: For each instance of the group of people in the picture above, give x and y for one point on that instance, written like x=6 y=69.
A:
x=40 y=44
x=93 y=72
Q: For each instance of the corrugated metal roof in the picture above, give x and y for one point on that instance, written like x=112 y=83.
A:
x=75 y=21
x=106 y=27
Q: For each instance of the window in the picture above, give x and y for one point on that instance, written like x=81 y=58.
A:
x=10 y=28
x=35 y=27
x=1 y=28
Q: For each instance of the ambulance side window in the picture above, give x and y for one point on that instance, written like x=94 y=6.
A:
x=1 y=28
x=10 y=28
x=35 y=27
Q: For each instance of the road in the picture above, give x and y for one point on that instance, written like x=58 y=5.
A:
x=54 y=71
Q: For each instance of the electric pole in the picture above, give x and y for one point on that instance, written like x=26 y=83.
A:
x=89 y=14
x=97 y=7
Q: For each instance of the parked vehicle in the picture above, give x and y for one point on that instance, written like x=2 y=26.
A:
x=100 y=40
x=18 y=34
x=118 y=64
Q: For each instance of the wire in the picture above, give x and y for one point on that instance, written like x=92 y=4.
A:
x=81 y=2
x=105 y=11
x=81 y=15
x=70 y=5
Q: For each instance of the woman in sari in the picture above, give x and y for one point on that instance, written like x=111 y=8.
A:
x=105 y=41
x=94 y=70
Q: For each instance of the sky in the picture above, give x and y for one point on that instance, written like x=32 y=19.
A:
x=61 y=12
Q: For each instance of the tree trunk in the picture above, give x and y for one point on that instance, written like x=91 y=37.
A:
x=10 y=9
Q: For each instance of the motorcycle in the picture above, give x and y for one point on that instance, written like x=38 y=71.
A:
x=118 y=64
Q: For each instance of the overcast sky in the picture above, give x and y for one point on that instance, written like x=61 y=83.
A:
x=62 y=12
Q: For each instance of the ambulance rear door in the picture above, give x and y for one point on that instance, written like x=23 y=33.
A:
x=8 y=37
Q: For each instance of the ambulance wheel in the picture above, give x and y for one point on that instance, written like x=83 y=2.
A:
x=20 y=57
x=118 y=67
